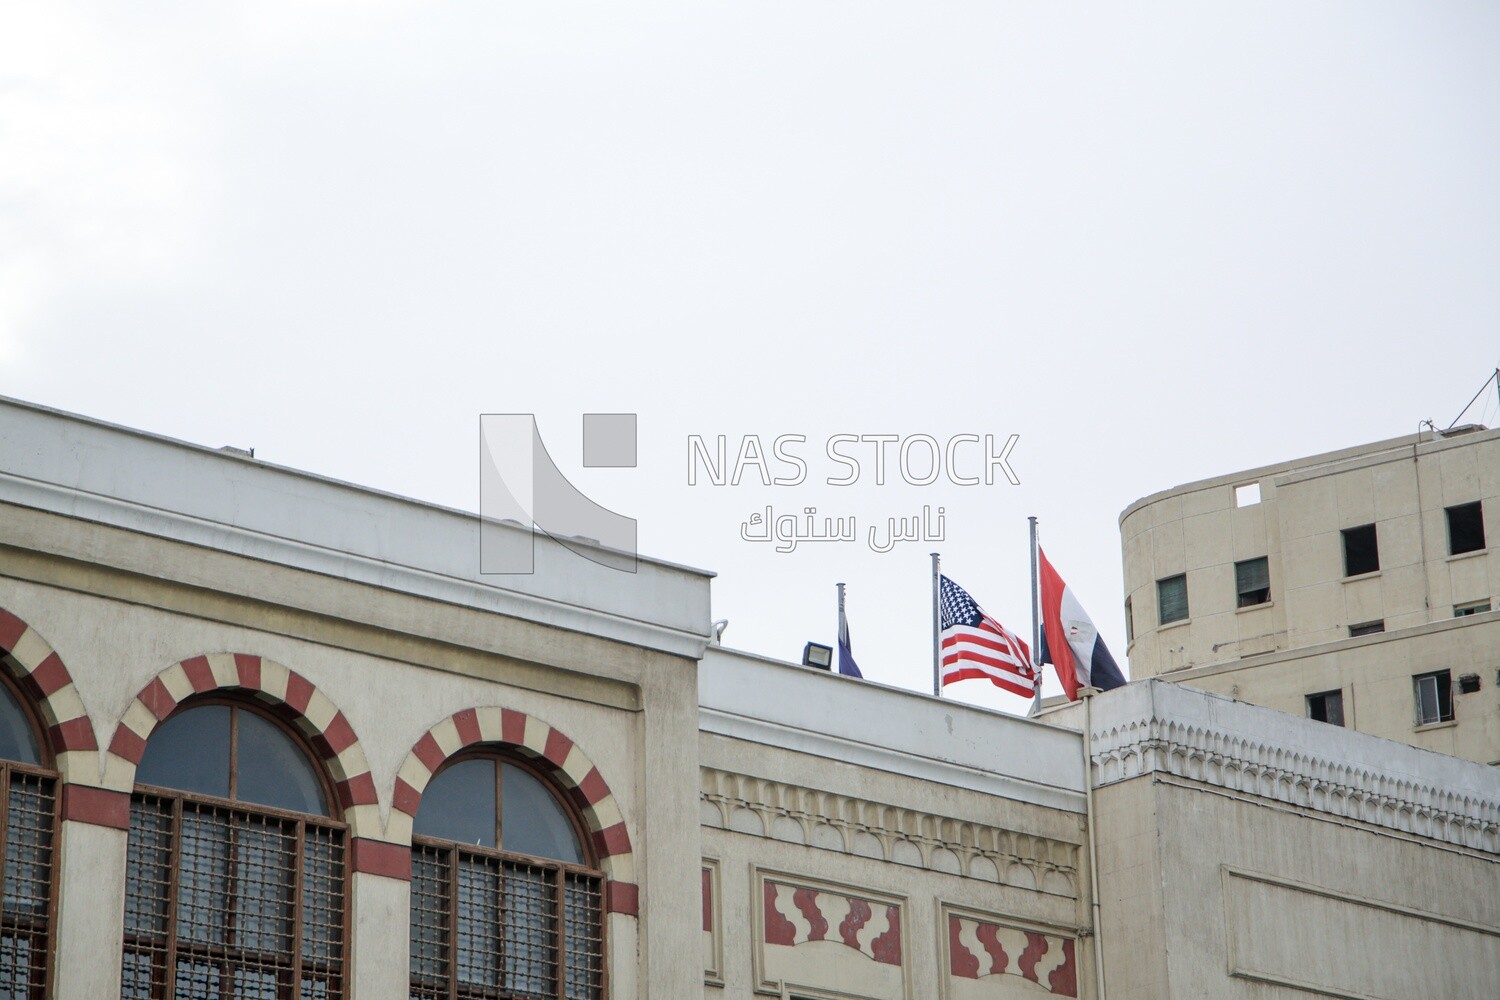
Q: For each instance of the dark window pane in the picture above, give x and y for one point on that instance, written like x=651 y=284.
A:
x=273 y=770
x=17 y=740
x=1252 y=580
x=1465 y=528
x=190 y=752
x=1366 y=628
x=459 y=804
x=534 y=821
x=1361 y=550
x=1326 y=707
x=1171 y=599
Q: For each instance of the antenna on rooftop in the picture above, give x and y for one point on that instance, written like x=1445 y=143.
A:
x=1495 y=378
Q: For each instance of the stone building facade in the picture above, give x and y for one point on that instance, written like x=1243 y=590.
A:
x=270 y=735
x=1359 y=586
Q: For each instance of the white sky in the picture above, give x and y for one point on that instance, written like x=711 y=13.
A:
x=1157 y=241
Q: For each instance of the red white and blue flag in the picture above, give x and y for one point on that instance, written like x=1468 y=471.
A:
x=974 y=645
x=1070 y=642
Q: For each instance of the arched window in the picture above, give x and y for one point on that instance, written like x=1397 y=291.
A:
x=505 y=899
x=234 y=884
x=28 y=815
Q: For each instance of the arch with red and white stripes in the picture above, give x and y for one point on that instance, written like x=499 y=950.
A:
x=554 y=752
x=45 y=679
x=285 y=693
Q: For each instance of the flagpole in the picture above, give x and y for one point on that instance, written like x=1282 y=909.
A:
x=1036 y=624
x=937 y=683
x=1087 y=694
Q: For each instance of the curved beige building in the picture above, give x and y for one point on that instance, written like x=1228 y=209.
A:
x=1354 y=587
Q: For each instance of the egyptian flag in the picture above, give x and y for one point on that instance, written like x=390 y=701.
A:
x=1069 y=640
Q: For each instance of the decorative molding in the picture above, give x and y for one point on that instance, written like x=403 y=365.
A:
x=1296 y=777
x=763 y=808
x=986 y=948
x=829 y=936
x=96 y=806
x=713 y=924
x=550 y=749
x=46 y=681
x=284 y=691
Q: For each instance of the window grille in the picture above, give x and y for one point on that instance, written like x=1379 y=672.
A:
x=487 y=926
x=29 y=812
x=228 y=903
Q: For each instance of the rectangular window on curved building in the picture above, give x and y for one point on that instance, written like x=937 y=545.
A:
x=1172 y=599
x=1327 y=706
x=1252 y=582
x=1465 y=528
x=1434 y=697
x=1361 y=550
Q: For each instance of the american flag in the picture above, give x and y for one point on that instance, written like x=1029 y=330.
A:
x=975 y=645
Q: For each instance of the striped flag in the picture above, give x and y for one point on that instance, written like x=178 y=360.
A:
x=975 y=645
x=1070 y=642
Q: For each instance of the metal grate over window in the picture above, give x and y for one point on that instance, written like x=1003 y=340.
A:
x=492 y=926
x=29 y=807
x=227 y=903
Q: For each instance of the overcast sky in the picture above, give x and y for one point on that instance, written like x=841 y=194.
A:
x=1157 y=241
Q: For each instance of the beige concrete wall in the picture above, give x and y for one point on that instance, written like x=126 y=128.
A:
x=1256 y=896
x=120 y=608
x=1375 y=678
x=1245 y=853
x=1198 y=530
x=1131 y=886
x=90 y=930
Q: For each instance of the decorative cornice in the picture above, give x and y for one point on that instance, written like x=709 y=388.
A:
x=1294 y=775
x=763 y=808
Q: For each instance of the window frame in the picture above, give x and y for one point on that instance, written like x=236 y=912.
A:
x=325 y=784
x=452 y=851
x=1187 y=613
x=1239 y=588
x=1323 y=696
x=44 y=771
x=177 y=798
x=1346 y=533
x=1473 y=505
x=1442 y=681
